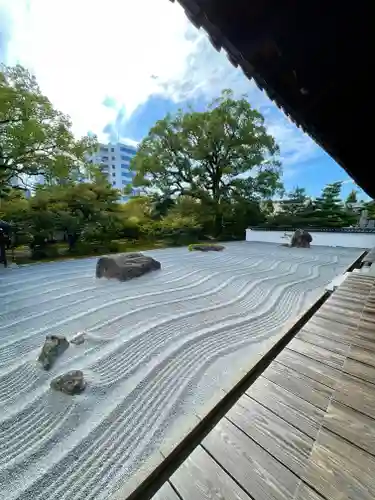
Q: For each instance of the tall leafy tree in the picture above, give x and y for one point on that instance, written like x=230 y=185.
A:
x=35 y=138
x=351 y=198
x=329 y=208
x=214 y=156
x=295 y=203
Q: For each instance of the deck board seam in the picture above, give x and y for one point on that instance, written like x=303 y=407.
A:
x=226 y=471
x=265 y=449
x=280 y=416
x=343 y=438
x=175 y=489
x=298 y=395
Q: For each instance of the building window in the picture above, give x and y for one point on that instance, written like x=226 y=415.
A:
x=113 y=158
x=104 y=158
x=113 y=166
x=112 y=150
x=124 y=183
x=128 y=150
x=126 y=158
x=126 y=174
x=114 y=183
x=126 y=167
x=104 y=149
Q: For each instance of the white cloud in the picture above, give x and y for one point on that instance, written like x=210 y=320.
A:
x=83 y=51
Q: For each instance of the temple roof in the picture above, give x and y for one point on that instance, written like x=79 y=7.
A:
x=313 y=58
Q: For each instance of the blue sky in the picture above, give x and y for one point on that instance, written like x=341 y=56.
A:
x=116 y=66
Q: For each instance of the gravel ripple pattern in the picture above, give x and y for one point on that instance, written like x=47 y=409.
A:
x=156 y=349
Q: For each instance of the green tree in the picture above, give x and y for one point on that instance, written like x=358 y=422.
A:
x=35 y=138
x=210 y=155
x=293 y=209
x=351 y=198
x=330 y=211
x=86 y=212
x=295 y=203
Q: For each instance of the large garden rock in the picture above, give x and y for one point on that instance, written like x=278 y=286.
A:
x=201 y=247
x=54 y=346
x=125 y=266
x=70 y=383
x=301 y=239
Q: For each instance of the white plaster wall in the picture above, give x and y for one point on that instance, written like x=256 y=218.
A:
x=349 y=240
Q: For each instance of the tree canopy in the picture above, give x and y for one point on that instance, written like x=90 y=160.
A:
x=218 y=156
x=35 y=138
x=327 y=210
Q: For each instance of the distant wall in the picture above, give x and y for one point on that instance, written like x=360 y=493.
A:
x=321 y=238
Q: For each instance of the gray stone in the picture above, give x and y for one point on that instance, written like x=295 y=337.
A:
x=125 y=266
x=54 y=346
x=78 y=339
x=70 y=383
x=207 y=248
x=301 y=239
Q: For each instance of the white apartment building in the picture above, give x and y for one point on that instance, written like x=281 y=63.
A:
x=114 y=162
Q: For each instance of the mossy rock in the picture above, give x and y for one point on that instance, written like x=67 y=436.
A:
x=54 y=346
x=206 y=247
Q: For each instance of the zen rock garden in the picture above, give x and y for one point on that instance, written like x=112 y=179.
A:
x=122 y=267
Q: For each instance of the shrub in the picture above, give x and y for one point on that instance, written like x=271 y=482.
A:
x=83 y=248
x=40 y=252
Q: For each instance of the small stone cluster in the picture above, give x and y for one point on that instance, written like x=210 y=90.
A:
x=71 y=382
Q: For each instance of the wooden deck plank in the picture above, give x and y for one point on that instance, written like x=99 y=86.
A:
x=350 y=336
x=340 y=299
x=304 y=492
x=201 y=478
x=328 y=328
x=263 y=477
x=333 y=345
x=339 y=470
x=287 y=405
x=351 y=425
x=356 y=394
x=362 y=355
x=340 y=318
x=366 y=330
x=304 y=387
x=283 y=441
x=345 y=309
x=166 y=492
x=360 y=370
x=320 y=372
